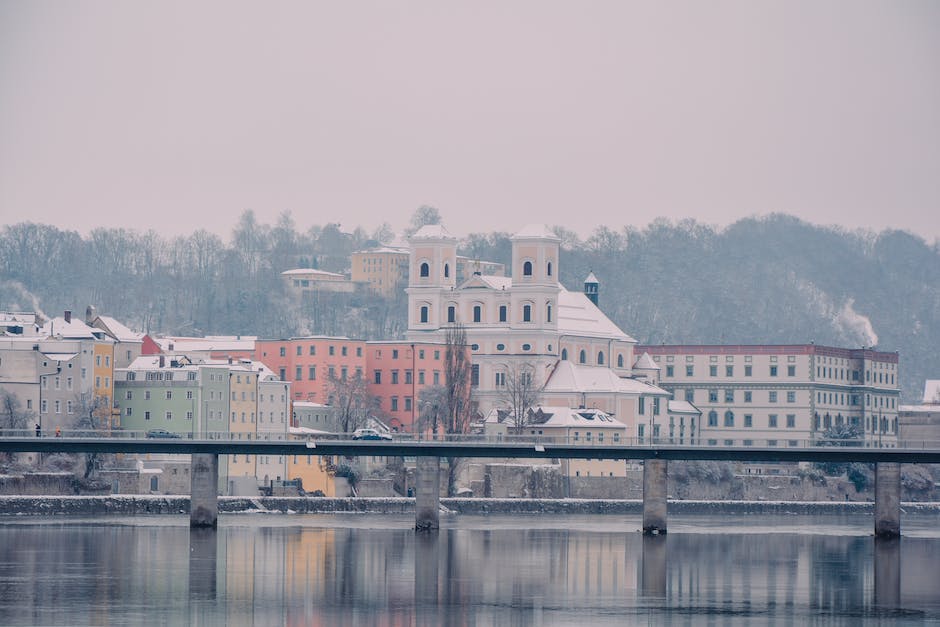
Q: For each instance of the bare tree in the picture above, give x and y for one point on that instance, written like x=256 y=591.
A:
x=352 y=400
x=457 y=409
x=521 y=390
x=94 y=413
x=12 y=416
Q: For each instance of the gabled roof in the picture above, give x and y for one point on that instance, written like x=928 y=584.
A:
x=491 y=281
x=118 y=331
x=645 y=362
x=568 y=377
x=536 y=231
x=311 y=271
x=432 y=231
x=577 y=315
x=74 y=330
x=544 y=416
x=682 y=407
x=590 y=278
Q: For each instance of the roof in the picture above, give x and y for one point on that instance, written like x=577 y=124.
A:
x=569 y=377
x=536 y=231
x=310 y=405
x=919 y=409
x=307 y=271
x=645 y=362
x=384 y=250
x=545 y=416
x=208 y=343
x=60 y=356
x=432 y=231
x=76 y=329
x=118 y=331
x=577 y=315
x=590 y=278
x=932 y=391
x=682 y=407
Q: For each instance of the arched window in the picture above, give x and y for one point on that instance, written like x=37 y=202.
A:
x=446 y=270
x=548 y=269
x=713 y=418
x=582 y=357
x=527 y=313
x=451 y=313
x=424 y=313
x=477 y=313
x=729 y=418
x=527 y=268
x=564 y=354
x=600 y=358
x=548 y=312
x=425 y=270
x=620 y=361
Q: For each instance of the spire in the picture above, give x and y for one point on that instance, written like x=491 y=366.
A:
x=591 y=287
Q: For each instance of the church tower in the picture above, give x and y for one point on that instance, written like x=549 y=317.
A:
x=591 y=287
x=432 y=271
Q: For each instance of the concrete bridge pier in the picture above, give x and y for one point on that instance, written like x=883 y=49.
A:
x=204 y=493
x=428 y=494
x=887 y=500
x=654 y=496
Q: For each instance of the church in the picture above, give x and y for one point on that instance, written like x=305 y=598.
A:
x=528 y=323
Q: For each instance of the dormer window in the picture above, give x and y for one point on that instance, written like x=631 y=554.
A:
x=527 y=268
x=425 y=270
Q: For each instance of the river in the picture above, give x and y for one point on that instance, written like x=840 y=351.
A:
x=338 y=570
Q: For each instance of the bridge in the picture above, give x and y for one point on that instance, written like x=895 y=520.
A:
x=655 y=455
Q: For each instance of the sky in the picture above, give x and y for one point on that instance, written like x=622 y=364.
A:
x=177 y=116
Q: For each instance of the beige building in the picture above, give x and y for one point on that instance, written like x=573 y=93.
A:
x=305 y=280
x=919 y=425
x=384 y=270
x=782 y=395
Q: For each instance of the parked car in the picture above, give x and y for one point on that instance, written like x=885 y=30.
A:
x=370 y=434
x=162 y=433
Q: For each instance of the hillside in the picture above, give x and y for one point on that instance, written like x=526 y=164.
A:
x=767 y=280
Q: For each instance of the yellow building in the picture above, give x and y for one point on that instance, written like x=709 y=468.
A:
x=384 y=270
x=243 y=418
x=103 y=385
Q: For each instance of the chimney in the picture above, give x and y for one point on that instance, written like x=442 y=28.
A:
x=162 y=361
x=68 y=316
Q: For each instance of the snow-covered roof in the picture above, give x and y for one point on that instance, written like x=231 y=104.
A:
x=118 y=331
x=388 y=250
x=308 y=431
x=495 y=282
x=60 y=356
x=591 y=278
x=569 y=377
x=432 y=231
x=682 y=407
x=577 y=315
x=535 y=231
x=645 y=362
x=932 y=391
x=74 y=329
x=309 y=405
x=208 y=343
x=312 y=271
x=545 y=416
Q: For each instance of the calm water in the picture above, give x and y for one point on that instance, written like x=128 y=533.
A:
x=531 y=570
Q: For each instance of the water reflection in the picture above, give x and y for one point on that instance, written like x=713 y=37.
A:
x=257 y=572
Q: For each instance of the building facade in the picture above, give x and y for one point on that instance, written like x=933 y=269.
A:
x=783 y=395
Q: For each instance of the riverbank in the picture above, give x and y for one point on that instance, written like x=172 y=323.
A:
x=178 y=505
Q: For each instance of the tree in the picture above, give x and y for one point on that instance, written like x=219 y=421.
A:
x=11 y=413
x=843 y=435
x=522 y=391
x=423 y=215
x=94 y=413
x=351 y=399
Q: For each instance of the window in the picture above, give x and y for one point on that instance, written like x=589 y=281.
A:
x=526 y=347
x=500 y=379
x=773 y=371
x=128 y=411
x=475 y=375
x=689 y=371
x=713 y=396
x=331 y=350
x=343 y=351
x=446 y=271
x=729 y=396
x=772 y=397
x=729 y=418
x=377 y=377
x=713 y=418
x=791 y=371
x=146 y=395
x=748 y=420
x=394 y=403
x=451 y=313
x=313 y=350
x=641 y=405
x=582 y=357
x=656 y=406
x=690 y=395
x=527 y=313
x=312 y=373
x=44 y=406
x=68 y=407
x=299 y=373
x=98 y=361
x=437 y=378
x=772 y=421
x=791 y=421
x=729 y=371
x=503 y=313
x=424 y=313
x=394 y=353
x=146 y=415
x=527 y=268
x=548 y=269
x=548 y=312
x=477 y=313
x=670 y=371
x=407 y=403
x=169 y=394
x=748 y=371
x=129 y=395
x=620 y=361
x=283 y=351
x=169 y=415
x=791 y=397
x=408 y=378
x=394 y=376
x=300 y=351
x=600 y=358
x=713 y=371
x=748 y=396
x=424 y=270
x=421 y=377
x=282 y=374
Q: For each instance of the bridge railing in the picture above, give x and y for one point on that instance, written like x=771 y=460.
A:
x=580 y=440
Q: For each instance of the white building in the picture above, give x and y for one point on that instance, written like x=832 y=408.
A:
x=919 y=425
x=526 y=322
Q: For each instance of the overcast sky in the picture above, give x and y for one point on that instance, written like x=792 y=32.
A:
x=180 y=115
